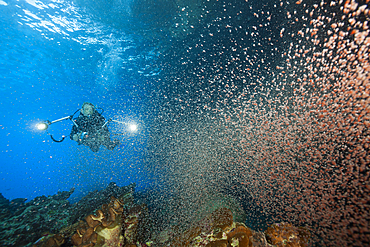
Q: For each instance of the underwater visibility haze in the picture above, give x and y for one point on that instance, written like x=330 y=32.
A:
x=260 y=107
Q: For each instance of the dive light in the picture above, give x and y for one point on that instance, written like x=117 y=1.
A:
x=43 y=125
x=132 y=127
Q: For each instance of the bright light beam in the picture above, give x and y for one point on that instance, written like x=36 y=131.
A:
x=132 y=127
x=42 y=126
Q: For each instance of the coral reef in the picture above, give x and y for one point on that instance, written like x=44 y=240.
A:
x=22 y=223
x=285 y=234
x=184 y=209
x=219 y=230
x=111 y=226
x=50 y=240
x=213 y=201
x=221 y=218
x=52 y=221
x=89 y=203
x=25 y=223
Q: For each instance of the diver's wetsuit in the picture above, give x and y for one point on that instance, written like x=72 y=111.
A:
x=95 y=134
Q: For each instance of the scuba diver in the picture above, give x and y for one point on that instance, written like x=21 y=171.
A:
x=90 y=129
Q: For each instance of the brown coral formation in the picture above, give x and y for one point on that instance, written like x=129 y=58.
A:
x=50 y=240
x=117 y=224
x=131 y=223
x=110 y=226
x=114 y=224
x=239 y=235
x=219 y=230
x=221 y=218
x=55 y=240
x=285 y=234
x=216 y=229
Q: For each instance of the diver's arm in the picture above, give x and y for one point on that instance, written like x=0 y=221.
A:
x=77 y=135
x=75 y=132
x=100 y=120
x=103 y=123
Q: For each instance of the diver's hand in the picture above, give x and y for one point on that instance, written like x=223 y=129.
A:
x=83 y=135
x=79 y=137
x=75 y=137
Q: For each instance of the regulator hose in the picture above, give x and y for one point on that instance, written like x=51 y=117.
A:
x=63 y=137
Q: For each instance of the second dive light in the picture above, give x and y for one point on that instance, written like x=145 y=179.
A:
x=132 y=127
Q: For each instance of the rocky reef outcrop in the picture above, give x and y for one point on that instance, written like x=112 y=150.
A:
x=22 y=223
x=112 y=217
x=219 y=230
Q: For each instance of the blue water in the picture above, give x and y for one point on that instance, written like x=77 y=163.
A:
x=55 y=55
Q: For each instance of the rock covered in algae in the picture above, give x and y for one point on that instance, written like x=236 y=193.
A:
x=285 y=234
x=120 y=223
x=39 y=221
x=116 y=223
x=103 y=228
x=219 y=230
x=26 y=222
